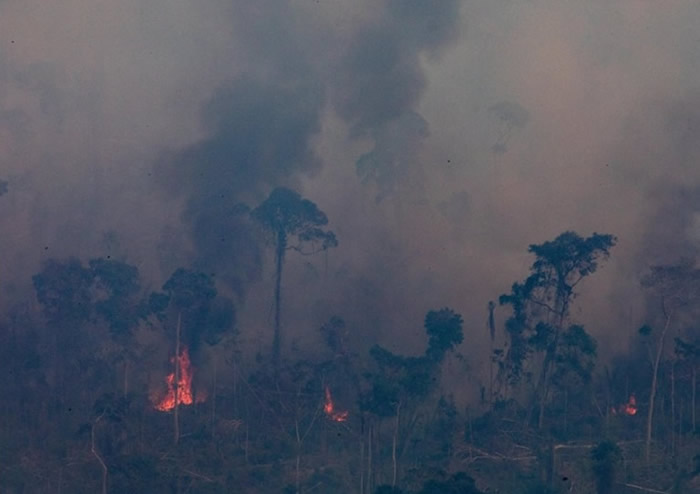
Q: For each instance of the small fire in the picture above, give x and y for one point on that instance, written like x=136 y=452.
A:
x=629 y=408
x=184 y=386
x=329 y=408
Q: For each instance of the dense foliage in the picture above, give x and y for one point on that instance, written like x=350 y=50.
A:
x=103 y=372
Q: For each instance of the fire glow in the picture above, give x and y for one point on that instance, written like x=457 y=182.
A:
x=629 y=408
x=184 y=385
x=329 y=408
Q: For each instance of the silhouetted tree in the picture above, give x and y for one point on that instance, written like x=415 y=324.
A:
x=402 y=383
x=286 y=216
x=190 y=298
x=64 y=290
x=689 y=352
x=542 y=302
x=675 y=286
x=117 y=292
x=444 y=329
x=573 y=369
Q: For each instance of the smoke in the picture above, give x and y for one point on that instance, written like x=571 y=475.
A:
x=258 y=138
x=441 y=138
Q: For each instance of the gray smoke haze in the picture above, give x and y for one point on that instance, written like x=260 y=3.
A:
x=441 y=138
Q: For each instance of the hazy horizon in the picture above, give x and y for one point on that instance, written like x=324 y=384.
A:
x=440 y=138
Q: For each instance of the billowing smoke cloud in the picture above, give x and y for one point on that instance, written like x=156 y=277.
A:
x=259 y=128
x=379 y=82
x=380 y=78
x=140 y=130
x=259 y=137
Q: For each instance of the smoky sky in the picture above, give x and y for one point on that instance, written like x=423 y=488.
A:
x=441 y=138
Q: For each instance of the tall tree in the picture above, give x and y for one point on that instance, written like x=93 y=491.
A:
x=541 y=304
x=674 y=286
x=689 y=352
x=117 y=293
x=64 y=290
x=190 y=300
x=401 y=384
x=293 y=223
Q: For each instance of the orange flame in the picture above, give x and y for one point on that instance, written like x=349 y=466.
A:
x=629 y=408
x=329 y=408
x=184 y=386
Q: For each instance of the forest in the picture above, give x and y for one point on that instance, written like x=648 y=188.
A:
x=112 y=387
x=349 y=247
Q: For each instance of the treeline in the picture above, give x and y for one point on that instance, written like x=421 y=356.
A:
x=114 y=387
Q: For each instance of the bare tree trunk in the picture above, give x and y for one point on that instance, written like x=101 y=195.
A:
x=492 y=335
x=276 y=342
x=213 y=400
x=235 y=388
x=96 y=454
x=298 y=462
x=369 y=458
x=566 y=411
x=654 y=379
x=673 y=407
x=549 y=360
x=362 y=465
x=176 y=426
x=393 y=445
x=694 y=384
x=246 y=441
x=680 y=424
x=126 y=376
x=608 y=401
x=471 y=433
x=543 y=392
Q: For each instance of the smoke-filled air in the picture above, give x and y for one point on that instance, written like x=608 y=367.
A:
x=363 y=247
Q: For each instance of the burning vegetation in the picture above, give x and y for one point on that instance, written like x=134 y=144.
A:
x=331 y=412
x=629 y=408
x=182 y=393
x=405 y=417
